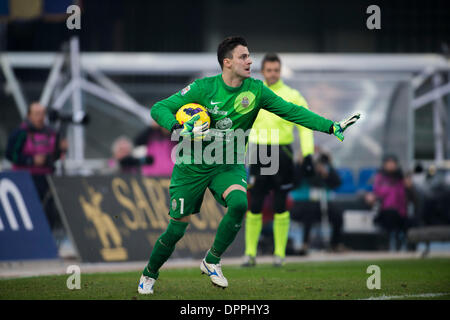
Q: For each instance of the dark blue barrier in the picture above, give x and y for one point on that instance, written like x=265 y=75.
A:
x=24 y=231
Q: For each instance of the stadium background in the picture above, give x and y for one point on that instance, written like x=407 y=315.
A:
x=153 y=49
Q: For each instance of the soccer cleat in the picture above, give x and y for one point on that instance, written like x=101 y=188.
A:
x=146 y=285
x=278 y=261
x=249 y=261
x=214 y=271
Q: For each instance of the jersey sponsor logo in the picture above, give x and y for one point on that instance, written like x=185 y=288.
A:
x=245 y=102
x=213 y=103
x=185 y=90
x=217 y=111
x=224 y=124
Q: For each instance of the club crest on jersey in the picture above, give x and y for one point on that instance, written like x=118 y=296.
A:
x=174 y=204
x=185 y=90
x=245 y=102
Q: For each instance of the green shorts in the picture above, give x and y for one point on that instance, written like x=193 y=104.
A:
x=188 y=187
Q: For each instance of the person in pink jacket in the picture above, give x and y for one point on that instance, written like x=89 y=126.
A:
x=392 y=190
x=35 y=147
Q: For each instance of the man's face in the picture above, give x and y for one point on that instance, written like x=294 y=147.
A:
x=37 y=115
x=123 y=149
x=240 y=63
x=271 y=72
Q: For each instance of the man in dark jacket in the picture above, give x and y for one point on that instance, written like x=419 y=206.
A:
x=307 y=206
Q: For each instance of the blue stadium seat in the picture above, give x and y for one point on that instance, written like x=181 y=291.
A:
x=348 y=184
x=365 y=180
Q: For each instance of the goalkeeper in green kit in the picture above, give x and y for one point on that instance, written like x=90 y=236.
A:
x=233 y=100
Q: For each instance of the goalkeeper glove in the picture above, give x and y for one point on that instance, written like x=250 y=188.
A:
x=190 y=130
x=339 y=127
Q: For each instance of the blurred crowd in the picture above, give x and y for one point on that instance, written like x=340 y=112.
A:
x=399 y=201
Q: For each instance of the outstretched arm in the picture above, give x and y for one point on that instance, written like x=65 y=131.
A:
x=305 y=135
x=304 y=117
x=294 y=113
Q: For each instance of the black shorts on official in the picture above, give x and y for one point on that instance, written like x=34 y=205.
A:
x=283 y=179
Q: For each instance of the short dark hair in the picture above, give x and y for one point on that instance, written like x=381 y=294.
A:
x=270 y=57
x=227 y=45
x=390 y=157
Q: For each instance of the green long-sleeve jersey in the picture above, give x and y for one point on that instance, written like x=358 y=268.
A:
x=233 y=111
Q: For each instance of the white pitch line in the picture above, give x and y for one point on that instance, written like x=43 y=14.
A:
x=421 y=295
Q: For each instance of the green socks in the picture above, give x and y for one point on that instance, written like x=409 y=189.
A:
x=164 y=247
x=229 y=226
x=280 y=233
x=253 y=226
x=226 y=233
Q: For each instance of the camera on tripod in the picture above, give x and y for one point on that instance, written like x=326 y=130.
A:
x=80 y=117
x=60 y=120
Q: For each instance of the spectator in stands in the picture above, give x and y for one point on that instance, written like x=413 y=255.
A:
x=122 y=148
x=159 y=147
x=392 y=190
x=126 y=158
x=35 y=147
x=323 y=177
x=436 y=195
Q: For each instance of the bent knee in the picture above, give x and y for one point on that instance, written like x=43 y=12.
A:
x=176 y=228
x=237 y=201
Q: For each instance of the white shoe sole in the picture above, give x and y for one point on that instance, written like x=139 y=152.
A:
x=141 y=292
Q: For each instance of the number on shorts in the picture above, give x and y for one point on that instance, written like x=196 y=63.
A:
x=181 y=205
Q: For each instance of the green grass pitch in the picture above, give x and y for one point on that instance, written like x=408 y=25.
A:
x=306 y=280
